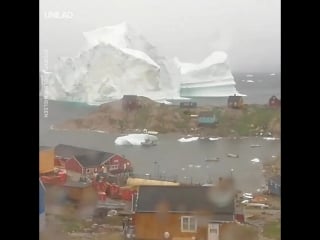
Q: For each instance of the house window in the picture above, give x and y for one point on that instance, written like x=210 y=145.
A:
x=113 y=167
x=188 y=224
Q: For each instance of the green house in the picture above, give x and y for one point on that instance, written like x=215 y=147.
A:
x=207 y=118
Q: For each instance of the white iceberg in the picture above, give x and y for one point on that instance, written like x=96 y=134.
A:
x=118 y=61
x=135 y=139
x=190 y=139
x=115 y=62
x=210 y=78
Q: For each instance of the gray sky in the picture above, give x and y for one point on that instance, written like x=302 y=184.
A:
x=248 y=30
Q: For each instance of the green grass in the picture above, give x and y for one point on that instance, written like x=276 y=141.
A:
x=258 y=116
x=272 y=230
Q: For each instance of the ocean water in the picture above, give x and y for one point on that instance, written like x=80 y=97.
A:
x=185 y=161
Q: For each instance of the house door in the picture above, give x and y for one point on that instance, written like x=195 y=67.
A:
x=213 y=231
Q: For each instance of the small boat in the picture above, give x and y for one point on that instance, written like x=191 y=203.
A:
x=255 y=145
x=232 y=155
x=216 y=159
x=153 y=132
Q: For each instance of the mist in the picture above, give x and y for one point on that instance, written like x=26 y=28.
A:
x=248 y=30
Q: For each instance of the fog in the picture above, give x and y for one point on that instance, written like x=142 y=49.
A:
x=248 y=30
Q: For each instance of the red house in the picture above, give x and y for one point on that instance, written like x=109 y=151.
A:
x=274 y=102
x=81 y=161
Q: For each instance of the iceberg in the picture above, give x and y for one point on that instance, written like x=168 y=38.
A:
x=210 y=78
x=134 y=139
x=117 y=61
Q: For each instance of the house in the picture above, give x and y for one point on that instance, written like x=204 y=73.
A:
x=63 y=153
x=235 y=101
x=130 y=102
x=181 y=212
x=81 y=161
x=274 y=102
x=188 y=105
x=207 y=118
x=274 y=185
x=46 y=160
x=42 y=207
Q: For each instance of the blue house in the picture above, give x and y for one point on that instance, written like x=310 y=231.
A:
x=207 y=119
x=274 y=185
x=42 y=208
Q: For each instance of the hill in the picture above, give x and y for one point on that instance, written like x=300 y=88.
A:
x=112 y=118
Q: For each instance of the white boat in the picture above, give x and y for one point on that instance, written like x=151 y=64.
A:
x=232 y=155
x=153 y=132
x=216 y=159
x=261 y=205
x=255 y=145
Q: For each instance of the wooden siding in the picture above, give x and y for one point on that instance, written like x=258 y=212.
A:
x=82 y=195
x=153 y=225
x=118 y=164
x=73 y=165
x=46 y=161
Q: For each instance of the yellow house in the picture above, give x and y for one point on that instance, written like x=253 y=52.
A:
x=46 y=160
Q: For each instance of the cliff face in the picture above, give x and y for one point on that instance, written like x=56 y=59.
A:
x=112 y=118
